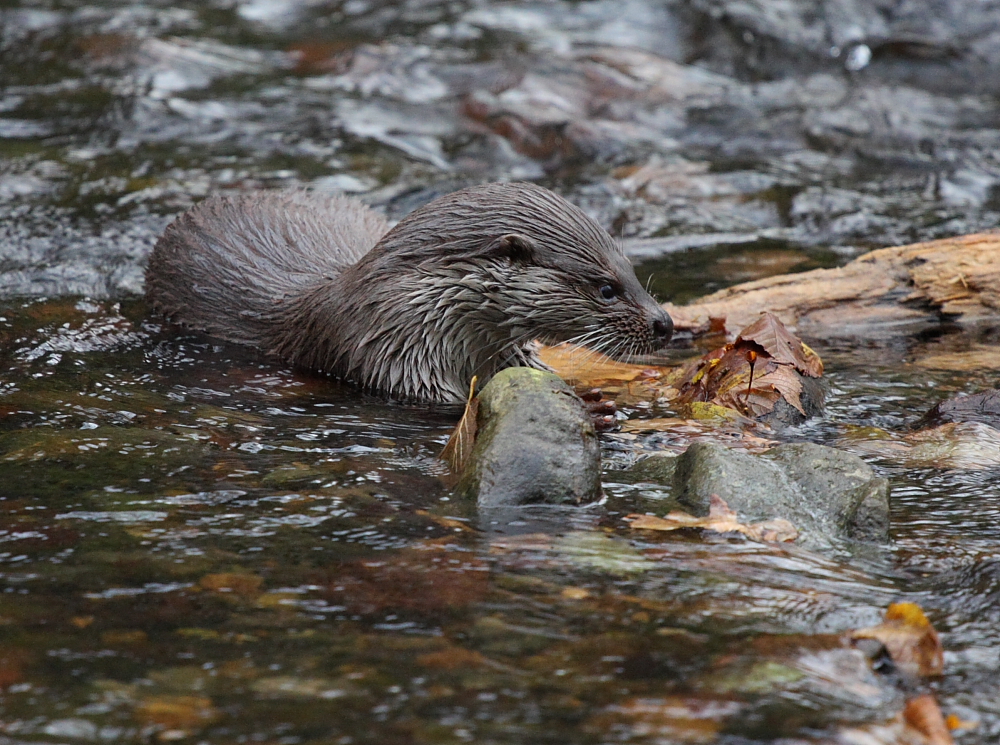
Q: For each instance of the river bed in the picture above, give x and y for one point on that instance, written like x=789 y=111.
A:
x=199 y=544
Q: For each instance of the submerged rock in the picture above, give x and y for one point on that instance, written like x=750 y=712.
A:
x=535 y=444
x=981 y=407
x=826 y=493
x=971 y=446
x=965 y=445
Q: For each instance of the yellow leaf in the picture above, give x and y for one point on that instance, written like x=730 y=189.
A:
x=909 y=638
x=459 y=447
x=720 y=519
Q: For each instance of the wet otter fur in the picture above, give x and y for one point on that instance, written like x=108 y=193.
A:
x=463 y=286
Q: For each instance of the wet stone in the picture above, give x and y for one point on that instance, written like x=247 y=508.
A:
x=826 y=493
x=983 y=407
x=535 y=444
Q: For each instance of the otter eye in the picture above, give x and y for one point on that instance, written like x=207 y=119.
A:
x=608 y=292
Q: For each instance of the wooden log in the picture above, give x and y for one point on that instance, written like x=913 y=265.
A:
x=879 y=294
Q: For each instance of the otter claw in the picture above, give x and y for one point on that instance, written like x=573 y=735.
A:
x=602 y=412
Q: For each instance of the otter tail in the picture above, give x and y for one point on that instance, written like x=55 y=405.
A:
x=229 y=264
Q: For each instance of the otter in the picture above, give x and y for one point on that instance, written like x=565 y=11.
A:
x=464 y=286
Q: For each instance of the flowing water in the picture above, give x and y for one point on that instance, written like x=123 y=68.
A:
x=198 y=544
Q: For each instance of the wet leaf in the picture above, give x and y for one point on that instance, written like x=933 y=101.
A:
x=459 y=446
x=981 y=407
x=12 y=663
x=452 y=658
x=186 y=713
x=924 y=715
x=955 y=722
x=762 y=367
x=781 y=345
x=426 y=579
x=720 y=519
x=673 y=719
x=245 y=585
x=119 y=637
x=582 y=365
x=618 y=381
x=909 y=638
x=446 y=522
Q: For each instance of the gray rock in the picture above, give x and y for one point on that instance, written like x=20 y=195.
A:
x=981 y=407
x=826 y=493
x=535 y=444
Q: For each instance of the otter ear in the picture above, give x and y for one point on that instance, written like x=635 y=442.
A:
x=516 y=248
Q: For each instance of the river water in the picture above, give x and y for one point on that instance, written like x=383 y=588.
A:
x=201 y=545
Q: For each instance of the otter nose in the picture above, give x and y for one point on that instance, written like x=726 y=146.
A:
x=663 y=328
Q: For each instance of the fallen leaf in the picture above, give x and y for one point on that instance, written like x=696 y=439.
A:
x=780 y=381
x=178 y=712
x=668 y=719
x=246 y=585
x=781 y=345
x=909 y=638
x=763 y=366
x=459 y=446
x=924 y=715
x=453 y=658
x=581 y=365
x=426 y=579
x=447 y=522
x=720 y=519
x=12 y=663
x=622 y=382
x=118 y=637
x=954 y=722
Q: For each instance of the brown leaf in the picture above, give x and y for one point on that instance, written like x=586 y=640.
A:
x=924 y=715
x=909 y=638
x=246 y=585
x=621 y=382
x=723 y=376
x=459 y=446
x=954 y=722
x=446 y=522
x=667 y=719
x=784 y=381
x=178 y=712
x=720 y=519
x=427 y=578
x=121 y=637
x=781 y=345
x=452 y=658
x=583 y=366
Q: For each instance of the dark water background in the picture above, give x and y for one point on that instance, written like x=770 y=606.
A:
x=200 y=545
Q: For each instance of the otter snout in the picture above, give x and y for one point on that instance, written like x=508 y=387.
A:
x=662 y=326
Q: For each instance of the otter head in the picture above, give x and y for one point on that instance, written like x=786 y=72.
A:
x=579 y=287
x=543 y=268
x=476 y=276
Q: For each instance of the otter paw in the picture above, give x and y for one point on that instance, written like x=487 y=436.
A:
x=602 y=412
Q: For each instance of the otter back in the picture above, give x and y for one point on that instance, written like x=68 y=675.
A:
x=226 y=266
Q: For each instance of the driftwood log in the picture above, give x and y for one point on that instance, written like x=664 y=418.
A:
x=877 y=294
